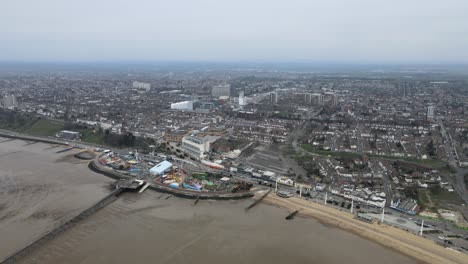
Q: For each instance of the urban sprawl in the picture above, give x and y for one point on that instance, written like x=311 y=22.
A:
x=381 y=143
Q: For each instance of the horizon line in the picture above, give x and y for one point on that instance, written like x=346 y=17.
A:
x=250 y=61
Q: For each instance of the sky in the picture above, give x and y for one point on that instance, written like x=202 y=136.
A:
x=347 y=31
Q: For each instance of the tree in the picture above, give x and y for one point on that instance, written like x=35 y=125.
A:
x=430 y=148
x=435 y=189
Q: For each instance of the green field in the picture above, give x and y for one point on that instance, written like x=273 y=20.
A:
x=446 y=197
x=425 y=203
x=44 y=127
x=434 y=198
x=89 y=136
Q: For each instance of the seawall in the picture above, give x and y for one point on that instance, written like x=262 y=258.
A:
x=99 y=168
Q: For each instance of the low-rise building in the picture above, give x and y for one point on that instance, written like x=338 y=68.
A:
x=175 y=136
x=66 y=134
x=195 y=146
x=161 y=168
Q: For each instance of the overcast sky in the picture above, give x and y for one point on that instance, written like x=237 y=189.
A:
x=376 y=31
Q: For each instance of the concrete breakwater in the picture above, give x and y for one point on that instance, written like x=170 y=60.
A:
x=99 y=168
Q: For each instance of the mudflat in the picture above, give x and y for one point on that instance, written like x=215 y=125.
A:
x=40 y=188
x=148 y=228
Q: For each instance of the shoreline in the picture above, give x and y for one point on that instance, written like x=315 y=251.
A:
x=411 y=245
x=95 y=166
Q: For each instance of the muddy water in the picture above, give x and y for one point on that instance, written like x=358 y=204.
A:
x=140 y=228
x=39 y=189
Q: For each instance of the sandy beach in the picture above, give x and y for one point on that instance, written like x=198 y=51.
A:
x=421 y=249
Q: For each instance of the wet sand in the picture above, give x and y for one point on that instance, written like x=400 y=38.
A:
x=140 y=228
x=424 y=250
x=39 y=189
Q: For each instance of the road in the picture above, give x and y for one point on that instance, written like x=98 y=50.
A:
x=458 y=181
x=300 y=130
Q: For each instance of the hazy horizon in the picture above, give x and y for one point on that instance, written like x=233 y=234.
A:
x=295 y=31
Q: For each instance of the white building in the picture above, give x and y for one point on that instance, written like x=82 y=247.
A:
x=185 y=105
x=221 y=90
x=242 y=99
x=66 y=134
x=161 y=168
x=430 y=112
x=142 y=85
x=196 y=147
x=9 y=101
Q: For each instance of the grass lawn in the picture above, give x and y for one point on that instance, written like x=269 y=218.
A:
x=424 y=201
x=446 y=197
x=45 y=127
x=431 y=201
x=91 y=137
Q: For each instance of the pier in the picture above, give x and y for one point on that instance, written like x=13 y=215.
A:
x=111 y=197
x=144 y=187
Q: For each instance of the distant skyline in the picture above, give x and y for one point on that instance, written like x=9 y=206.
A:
x=320 y=31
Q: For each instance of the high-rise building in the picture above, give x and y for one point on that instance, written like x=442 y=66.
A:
x=142 y=85
x=317 y=98
x=404 y=90
x=9 y=101
x=274 y=97
x=430 y=112
x=308 y=98
x=242 y=101
x=221 y=90
x=334 y=100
